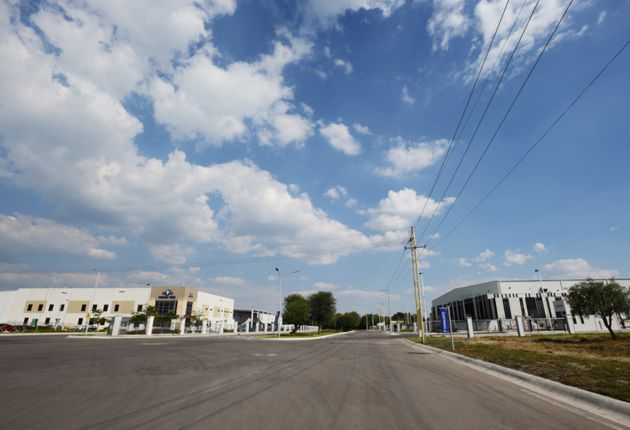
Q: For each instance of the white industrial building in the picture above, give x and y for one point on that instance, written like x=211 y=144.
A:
x=530 y=299
x=71 y=307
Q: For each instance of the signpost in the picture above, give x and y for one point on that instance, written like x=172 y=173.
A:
x=446 y=324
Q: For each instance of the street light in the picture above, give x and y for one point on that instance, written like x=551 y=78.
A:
x=87 y=323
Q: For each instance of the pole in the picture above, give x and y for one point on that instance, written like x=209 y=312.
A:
x=450 y=327
x=424 y=304
x=280 y=310
x=87 y=323
x=416 y=282
x=389 y=311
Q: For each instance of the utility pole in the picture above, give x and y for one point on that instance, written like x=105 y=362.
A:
x=416 y=281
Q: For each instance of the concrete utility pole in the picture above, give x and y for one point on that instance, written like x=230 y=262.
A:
x=416 y=281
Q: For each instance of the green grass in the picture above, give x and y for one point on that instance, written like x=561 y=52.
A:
x=593 y=362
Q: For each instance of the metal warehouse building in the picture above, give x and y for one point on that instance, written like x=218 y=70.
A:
x=530 y=299
x=69 y=307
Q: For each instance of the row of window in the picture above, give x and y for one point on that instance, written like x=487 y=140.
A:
x=62 y=307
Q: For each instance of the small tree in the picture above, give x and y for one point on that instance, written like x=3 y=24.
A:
x=322 y=307
x=139 y=318
x=604 y=299
x=348 y=321
x=296 y=311
x=98 y=318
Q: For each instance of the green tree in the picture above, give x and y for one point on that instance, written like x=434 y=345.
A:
x=322 y=307
x=348 y=321
x=604 y=299
x=141 y=317
x=98 y=318
x=295 y=311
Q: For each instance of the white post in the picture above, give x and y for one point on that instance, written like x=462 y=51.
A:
x=257 y=327
x=204 y=326
x=115 y=325
x=519 y=326
x=182 y=326
x=469 y=326
x=87 y=319
x=570 y=326
x=149 y=326
x=221 y=327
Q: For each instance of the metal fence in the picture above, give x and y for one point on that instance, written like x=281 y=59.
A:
x=503 y=325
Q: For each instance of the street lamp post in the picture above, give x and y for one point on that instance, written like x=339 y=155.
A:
x=280 y=308
x=424 y=305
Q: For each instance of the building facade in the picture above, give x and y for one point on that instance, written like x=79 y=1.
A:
x=530 y=299
x=70 y=307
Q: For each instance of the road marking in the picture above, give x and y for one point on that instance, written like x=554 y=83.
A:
x=265 y=355
x=154 y=343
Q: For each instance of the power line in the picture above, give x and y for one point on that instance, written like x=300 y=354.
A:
x=494 y=92
x=452 y=141
x=507 y=113
x=535 y=144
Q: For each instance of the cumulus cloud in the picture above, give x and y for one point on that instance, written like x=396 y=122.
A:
x=406 y=157
x=463 y=262
x=325 y=12
x=400 y=209
x=488 y=267
x=172 y=253
x=339 y=137
x=345 y=65
x=361 y=129
x=324 y=286
x=515 y=257
x=484 y=255
x=540 y=247
x=23 y=236
x=448 y=21
x=578 y=268
x=336 y=192
x=405 y=97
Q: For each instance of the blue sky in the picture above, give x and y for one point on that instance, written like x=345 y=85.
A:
x=206 y=143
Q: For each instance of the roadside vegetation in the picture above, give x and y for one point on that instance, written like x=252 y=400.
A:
x=594 y=362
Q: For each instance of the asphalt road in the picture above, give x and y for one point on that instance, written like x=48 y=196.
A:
x=357 y=381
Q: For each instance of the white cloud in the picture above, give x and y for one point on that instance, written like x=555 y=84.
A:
x=351 y=203
x=361 y=129
x=335 y=192
x=172 y=253
x=229 y=281
x=576 y=267
x=405 y=97
x=325 y=12
x=448 y=21
x=409 y=157
x=540 y=247
x=339 y=137
x=324 y=286
x=463 y=262
x=400 y=209
x=484 y=255
x=74 y=144
x=344 y=64
x=355 y=292
x=23 y=236
x=515 y=257
x=601 y=17
x=112 y=240
x=489 y=267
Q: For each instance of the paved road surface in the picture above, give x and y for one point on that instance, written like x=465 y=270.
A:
x=357 y=381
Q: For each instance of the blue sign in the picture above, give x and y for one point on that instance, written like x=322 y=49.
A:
x=276 y=320
x=444 y=320
x=167 y=294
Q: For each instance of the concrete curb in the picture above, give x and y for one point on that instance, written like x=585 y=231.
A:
x=606 y=407
x=297 y=339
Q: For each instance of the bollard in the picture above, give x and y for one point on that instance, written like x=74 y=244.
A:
x=519 y=326
x=204 y=326
x=149 y=326
x=469 y=326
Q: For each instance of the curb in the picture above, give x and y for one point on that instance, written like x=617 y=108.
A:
x=598 y=404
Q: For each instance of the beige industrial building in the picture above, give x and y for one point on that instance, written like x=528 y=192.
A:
x=71 y=307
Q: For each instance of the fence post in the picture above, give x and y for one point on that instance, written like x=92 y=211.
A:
x=182 y=326
x=469 y=326
x=204 y=326
x=115 y=325
x=519 y=326
x=149 y=326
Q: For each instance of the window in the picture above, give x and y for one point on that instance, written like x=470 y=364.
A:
x=105 y=308
x=50 y=308
x=47 y=321
x=30 y=307
x=25 y=321
x=83 y=308
x=62 y=307
x=116 y=307
x=139 y=308
x=94 y=307
x=40 y=308
x=581 y=319
x=80 y=321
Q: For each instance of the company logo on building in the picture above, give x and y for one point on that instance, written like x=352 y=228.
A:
x=167 y=294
